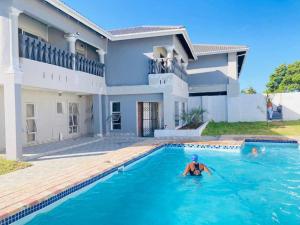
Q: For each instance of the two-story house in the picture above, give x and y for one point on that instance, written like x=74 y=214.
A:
x=62 y=76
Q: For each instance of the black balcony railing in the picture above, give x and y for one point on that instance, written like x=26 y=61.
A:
x=34 y=49
x=163 y=65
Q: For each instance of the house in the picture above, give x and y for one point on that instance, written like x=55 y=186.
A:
x=62 y=76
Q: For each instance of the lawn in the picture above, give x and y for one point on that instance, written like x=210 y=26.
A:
x=284 y=128
x=7 y=166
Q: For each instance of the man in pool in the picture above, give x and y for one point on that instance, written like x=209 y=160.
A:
x=194 y=168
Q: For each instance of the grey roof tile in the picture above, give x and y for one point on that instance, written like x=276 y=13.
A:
x=206 y=49
x=143 y=29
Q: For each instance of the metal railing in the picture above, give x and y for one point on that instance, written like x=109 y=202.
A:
x=34 y=49
x=163 y=65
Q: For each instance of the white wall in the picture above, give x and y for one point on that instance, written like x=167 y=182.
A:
x=253 y=107
x=49 y=123
x=2 y=128
x=215 y=106
x=43 y=75
x=247 y=108
x=290 y=104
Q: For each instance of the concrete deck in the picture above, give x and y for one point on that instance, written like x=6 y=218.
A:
x=65 y=165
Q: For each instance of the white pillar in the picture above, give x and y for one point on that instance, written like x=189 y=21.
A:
x=71 y=38
x=169 y=57
x=13 y=118
x=169 y=111
x=233 y=86
x=9 y=69
x=97 y=115
x=101 y=54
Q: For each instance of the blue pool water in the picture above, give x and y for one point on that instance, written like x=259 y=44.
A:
x=242 y=190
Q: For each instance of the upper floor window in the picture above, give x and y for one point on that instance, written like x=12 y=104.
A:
x=115 y=115
x=21 y=31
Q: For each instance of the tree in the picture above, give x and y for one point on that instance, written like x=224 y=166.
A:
x=286 y=78
x=249 y=91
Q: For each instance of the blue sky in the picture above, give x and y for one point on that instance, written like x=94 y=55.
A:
x=271 y=28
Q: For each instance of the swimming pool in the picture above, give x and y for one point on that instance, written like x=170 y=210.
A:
x=242 y=190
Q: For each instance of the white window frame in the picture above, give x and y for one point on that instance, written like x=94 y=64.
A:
x=34 y=132
x=78 y=121
x=111 y=114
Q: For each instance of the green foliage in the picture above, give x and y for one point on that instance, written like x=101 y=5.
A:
x=283 y=128
x=286 y=78
x=249 y=91
x=193 y=117
x=7 y=166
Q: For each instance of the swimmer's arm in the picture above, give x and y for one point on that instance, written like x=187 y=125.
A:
x=206 y=170
x=187 y=170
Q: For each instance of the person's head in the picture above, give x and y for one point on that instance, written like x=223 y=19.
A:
x=254 y=151
x=195 y=158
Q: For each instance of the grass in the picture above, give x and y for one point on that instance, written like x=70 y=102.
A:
x=7 y=166
x=284 y=128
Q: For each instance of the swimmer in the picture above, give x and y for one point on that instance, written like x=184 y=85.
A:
x=194 y=168
x=254 y=151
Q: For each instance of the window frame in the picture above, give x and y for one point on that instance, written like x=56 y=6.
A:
x=31 y=118
x=73 y=125
x=116 y=113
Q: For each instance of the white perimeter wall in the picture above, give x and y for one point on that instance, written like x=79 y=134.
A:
x=215 y=107
x=49 y=123
x=290 y=104
x=246 y=107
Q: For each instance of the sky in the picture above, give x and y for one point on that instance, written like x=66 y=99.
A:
x=270 y=28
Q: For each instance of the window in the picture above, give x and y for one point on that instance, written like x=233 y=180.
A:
x=30 y=123
x=115 y=116
x=59 y=108
x=21 y=31
x=73 y=118
x=177 y=114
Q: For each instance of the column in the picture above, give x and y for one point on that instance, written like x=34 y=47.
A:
x=101 y=54
x=71 y=38
x=169 y=111
x=13 y=117
x=97 y=115
x=169 y=58
x=233 y=87
x=10 y=70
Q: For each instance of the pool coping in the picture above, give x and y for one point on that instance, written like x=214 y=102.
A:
x=34 y=205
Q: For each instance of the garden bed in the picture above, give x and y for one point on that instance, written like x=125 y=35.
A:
x=190 y=126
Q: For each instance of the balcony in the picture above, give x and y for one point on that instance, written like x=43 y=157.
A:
x=163 y=65
x=34 y=49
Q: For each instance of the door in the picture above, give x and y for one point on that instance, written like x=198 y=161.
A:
x=147 y=118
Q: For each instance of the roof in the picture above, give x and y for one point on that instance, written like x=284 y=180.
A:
x=155 y=31
x=143 y=29
x=77 y=16
x=207 y=49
